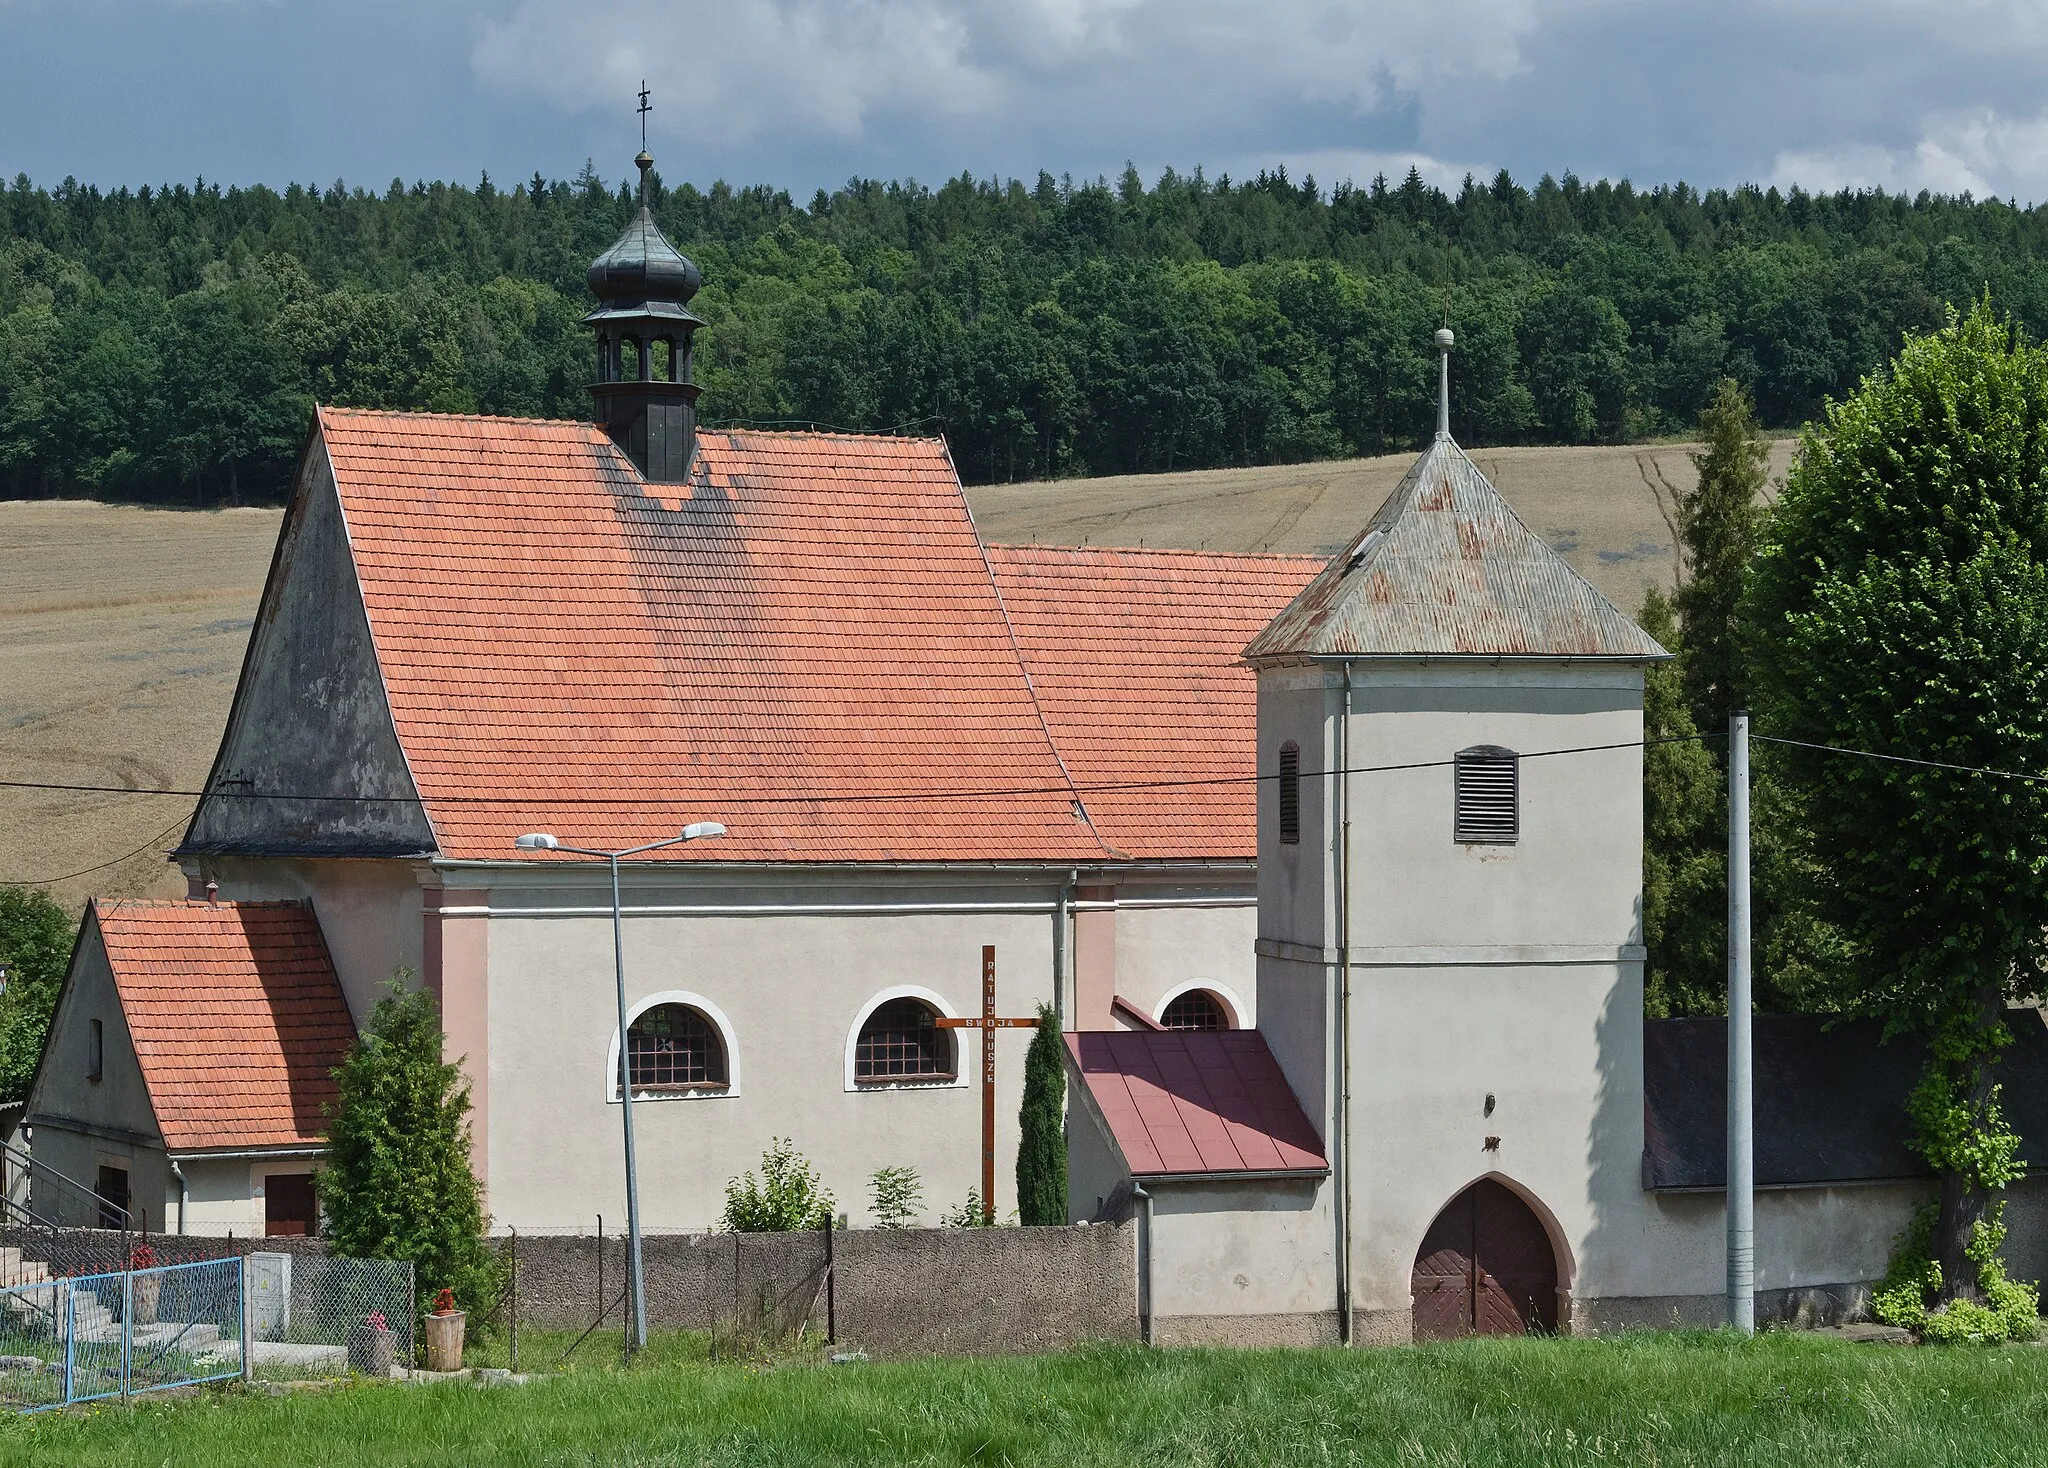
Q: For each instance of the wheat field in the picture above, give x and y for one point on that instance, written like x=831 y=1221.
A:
x=122 y=629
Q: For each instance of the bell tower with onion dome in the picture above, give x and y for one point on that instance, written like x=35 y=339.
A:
x=643 y=394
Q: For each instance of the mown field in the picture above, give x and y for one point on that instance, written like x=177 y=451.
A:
x=122 y=629
x=1783 y=1400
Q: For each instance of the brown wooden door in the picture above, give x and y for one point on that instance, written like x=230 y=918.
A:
x=288 y=1206
x=1485 y=1268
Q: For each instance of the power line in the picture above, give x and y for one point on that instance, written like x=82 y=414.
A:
x=1900 y=759
x=993 y=793
x=88 y=871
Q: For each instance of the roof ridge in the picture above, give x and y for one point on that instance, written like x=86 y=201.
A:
x=1160 y=550
x=855 y=433
x=338 y=410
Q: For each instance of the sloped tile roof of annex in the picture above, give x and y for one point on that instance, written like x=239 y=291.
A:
x=1446 y=568
x=1134 y=656
x=803 y=642
x=1196 y=1103
x=237 y=1018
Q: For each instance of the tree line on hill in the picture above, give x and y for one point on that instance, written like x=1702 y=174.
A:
x=167 y=344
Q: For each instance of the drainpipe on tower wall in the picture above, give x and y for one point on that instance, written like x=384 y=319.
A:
x=1144 y=1200
x=1063 y=949
x=1340 y=1153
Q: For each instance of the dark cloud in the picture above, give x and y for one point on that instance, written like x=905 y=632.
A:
x=809 y=92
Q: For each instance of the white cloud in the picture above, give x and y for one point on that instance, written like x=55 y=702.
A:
x=1977 y=151
x=780 y=70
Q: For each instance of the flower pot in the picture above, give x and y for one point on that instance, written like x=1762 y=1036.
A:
x=371 y=1350
x=143 y=1293
x=444 y=1341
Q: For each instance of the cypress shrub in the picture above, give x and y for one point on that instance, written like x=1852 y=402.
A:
x=1042 y=1148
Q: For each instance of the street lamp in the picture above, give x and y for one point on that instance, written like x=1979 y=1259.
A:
x=542 y=841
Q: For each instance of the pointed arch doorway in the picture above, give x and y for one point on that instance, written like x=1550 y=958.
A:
x=1486 y=1267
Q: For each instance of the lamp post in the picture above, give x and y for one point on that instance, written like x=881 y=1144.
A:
x=542 y=841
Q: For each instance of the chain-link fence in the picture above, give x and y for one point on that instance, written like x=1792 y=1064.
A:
x=82 y=1338
x=323 y=1316
x=110 y=1335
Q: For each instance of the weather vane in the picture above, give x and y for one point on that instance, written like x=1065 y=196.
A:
x=643 y=110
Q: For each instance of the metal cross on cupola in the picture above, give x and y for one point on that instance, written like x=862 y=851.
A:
x=988 y=1023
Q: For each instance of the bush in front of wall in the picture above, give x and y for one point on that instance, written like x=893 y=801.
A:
x=896 y=1197
x=786 y=1197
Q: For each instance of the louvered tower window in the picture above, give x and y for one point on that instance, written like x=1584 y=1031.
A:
x=1488 y=796
x=1290 y=793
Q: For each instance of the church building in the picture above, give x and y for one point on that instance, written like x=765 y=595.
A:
x=1331 y=870
x=918 y=744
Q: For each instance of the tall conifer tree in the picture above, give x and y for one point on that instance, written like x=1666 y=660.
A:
x=1042 y=1145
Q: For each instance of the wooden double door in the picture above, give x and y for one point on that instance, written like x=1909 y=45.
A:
x=1485 y=1268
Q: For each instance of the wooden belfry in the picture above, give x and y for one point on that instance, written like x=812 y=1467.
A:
x=988 y=1023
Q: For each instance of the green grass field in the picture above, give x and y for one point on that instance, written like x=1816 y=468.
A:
x=1646 y=1399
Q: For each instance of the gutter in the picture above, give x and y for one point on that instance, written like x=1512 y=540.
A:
x=248 y=1154
x=1241 y=1175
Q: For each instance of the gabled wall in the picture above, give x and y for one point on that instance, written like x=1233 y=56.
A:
x=310 y=716
x=80 y=1124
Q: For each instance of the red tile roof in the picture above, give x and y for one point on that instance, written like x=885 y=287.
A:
x=1134 y=654
x=237 y=1018
x=805 y=643
x=1183 y=1102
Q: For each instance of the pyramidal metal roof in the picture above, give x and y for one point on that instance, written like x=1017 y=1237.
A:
x=1447 y=569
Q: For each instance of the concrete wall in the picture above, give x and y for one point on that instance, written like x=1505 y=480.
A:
x=310 y=712
x=911 y=1292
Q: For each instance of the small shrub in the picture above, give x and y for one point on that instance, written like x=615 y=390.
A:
x=1042 y=1126
x=969 y=1214
x=897 y=1197
x=2010 y=1310
x=787 y=1197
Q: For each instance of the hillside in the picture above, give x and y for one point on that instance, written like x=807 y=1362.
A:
x=122 y=629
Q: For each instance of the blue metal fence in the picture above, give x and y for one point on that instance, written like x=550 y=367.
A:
x=94 y=1336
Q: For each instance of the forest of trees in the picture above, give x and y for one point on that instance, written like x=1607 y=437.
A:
x=167 y=344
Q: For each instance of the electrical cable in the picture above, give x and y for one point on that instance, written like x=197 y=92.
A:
x=1900 y=759
x=88 y=871
x=997 y=793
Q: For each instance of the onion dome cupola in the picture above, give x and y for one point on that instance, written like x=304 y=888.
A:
x=643 y=395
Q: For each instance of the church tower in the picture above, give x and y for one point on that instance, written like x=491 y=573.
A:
x=1450 y=890
x=643 y=394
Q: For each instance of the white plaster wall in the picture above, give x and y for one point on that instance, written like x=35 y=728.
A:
x=118 y=1101
x=1574 y=879
x=369 y=912
x=1243 y=1248
x=1296 y=880
x=791 y=986
x=1162 y=950
x=219 y=1197
x=1559 y=1047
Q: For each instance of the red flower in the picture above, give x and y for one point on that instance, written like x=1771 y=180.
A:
x=142 y=1257
x=444 y=1303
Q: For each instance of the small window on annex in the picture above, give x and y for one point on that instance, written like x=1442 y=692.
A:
x=902 y=1040
x=674 y=1048
x=1290 y=793
x=1197 y=1009
x=1488 y=800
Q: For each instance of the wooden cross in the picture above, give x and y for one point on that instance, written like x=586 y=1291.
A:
x=988 y=1023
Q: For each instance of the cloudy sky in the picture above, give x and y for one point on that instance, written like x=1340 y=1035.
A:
x=803 y=93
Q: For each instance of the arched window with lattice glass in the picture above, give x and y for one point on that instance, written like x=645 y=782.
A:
x=900 y=1041
x=673 y=1047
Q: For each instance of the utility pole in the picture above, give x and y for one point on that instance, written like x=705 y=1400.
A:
x=1741 y=1191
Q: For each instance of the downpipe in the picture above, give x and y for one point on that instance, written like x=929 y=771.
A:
x=1144 y=1199
x=184 y=1192
x=1340 y=1158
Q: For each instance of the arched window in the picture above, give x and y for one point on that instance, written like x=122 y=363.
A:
x=1290 y=793
x=1197 y=1009
x=902 y=1040
x=1488 y=800
x=674 y=1048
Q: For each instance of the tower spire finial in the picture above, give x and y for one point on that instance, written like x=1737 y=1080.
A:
x=1444 y=339
x=644 y=160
